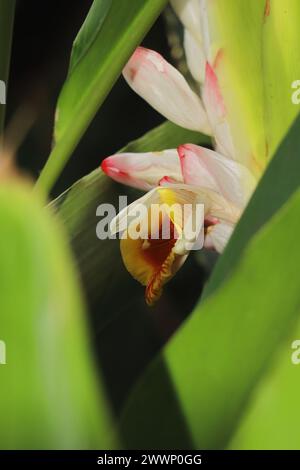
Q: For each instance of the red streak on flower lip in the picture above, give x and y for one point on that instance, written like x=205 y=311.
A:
x=267 y=9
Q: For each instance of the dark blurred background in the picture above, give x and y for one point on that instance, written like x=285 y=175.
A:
x=43 y=36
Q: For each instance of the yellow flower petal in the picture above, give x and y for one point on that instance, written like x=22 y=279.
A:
x=150 y=262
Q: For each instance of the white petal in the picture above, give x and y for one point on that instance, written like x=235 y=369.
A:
x=192 y=235
x=215 y=205
x=143 y=170
x=123 y=219
x=218 y=236
x=217 y=113
x=209 y=169
x=206 y=40
x=195 y=56
x=189 y=14
x=165 y=89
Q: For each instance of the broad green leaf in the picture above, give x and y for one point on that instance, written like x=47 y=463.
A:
x=280 y=69
x=99 y=56
x=89 y=31
x=194 y=393
x=7 y=10
x=253 y=49
x=49 y=394
x=272 y=417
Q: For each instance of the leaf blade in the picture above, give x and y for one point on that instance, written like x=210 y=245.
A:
x=49 y=395
x=86 y=88
x=89 y=30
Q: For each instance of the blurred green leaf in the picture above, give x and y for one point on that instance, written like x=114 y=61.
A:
x=280 y=70
x=253 y=49
x=272 y=417
x=49 y=395
x=203 y=379
x=7 y=11
x=99 y=56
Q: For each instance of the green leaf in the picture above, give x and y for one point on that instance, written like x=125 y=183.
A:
x=194 y=393
x=272 y=417
x=7 y=10
x=256 y=81
x=89 y=31
x=100 y=54
x=49 y=394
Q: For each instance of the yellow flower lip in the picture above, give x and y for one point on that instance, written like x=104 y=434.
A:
x=150 y=261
